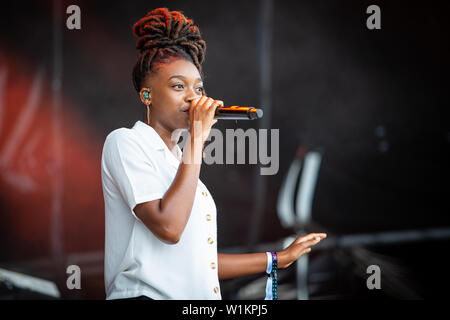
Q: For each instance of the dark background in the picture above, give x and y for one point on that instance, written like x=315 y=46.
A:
x=372 y=101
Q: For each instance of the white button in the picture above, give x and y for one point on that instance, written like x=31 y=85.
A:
x=210 y=240
x=208 y=217
x=216 y=290
x=213 y=265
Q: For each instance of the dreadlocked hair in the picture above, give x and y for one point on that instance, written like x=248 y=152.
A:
x=162 y=36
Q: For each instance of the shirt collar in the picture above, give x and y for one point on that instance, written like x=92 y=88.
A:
x=154 y=140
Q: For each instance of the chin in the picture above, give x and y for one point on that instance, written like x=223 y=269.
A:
x=183 y=126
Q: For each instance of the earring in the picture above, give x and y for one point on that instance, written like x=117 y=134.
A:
x=146 y=95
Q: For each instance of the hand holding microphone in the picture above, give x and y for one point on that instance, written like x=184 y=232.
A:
x=204 y=112
x=237 y=112
x=208 y=111
x=201 y=115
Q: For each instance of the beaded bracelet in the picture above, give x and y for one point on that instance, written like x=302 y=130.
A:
x=274 y=276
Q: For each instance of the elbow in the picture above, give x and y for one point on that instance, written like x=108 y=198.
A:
x=164 y=228
x=171 y=236
x=172 y=239
x=166 y=235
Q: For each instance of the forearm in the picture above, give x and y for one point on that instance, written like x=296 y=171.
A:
x=176 y=205
x=238 y=265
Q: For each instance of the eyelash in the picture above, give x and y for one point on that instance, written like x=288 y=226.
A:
x=181 y=85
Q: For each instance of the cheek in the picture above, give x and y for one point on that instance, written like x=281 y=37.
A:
x=165 y=102
x=176 y=101
x=172 y=96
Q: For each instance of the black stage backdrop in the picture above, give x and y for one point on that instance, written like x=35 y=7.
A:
x=370 y=101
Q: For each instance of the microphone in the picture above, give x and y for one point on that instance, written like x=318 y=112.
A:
x=238 y=113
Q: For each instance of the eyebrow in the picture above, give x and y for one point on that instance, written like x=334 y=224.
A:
x=182 y=77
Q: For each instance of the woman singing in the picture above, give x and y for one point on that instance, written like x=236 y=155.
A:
x=160 y=219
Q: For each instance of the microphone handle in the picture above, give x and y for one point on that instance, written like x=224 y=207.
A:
x=238 y=113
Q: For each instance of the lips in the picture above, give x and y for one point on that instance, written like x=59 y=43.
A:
x=186 y=109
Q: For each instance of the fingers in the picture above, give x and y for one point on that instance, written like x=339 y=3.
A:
x=310 y=243
x=216 y=104
x=211 y=104
x=306 y=250
x=207 y=106
x=202 y=103
x=306 y=242
x=300 y=246
x=198 y=101
x=206 y=102
x=311 y=236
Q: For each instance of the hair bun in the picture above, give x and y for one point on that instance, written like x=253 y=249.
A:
x=161 y=28
x=162 y=35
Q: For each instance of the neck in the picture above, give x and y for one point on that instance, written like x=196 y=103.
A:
x=165 y=134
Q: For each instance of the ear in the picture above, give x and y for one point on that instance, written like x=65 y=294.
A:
x=145 y=96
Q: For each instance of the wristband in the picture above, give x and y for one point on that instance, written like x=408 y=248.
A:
x=274 y=276
x=271 y=270
x=269 y=263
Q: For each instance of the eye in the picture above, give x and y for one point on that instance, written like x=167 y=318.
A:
x=180 y=86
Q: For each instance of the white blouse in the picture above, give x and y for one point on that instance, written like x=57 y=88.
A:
x=137 y=167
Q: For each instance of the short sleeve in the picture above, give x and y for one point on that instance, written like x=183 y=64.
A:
x=131 y=170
